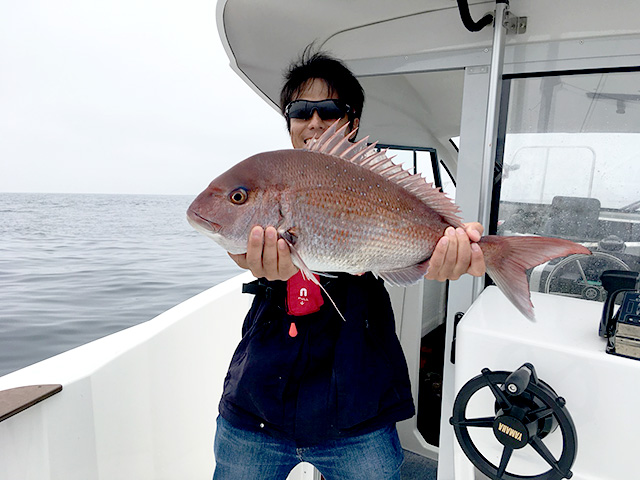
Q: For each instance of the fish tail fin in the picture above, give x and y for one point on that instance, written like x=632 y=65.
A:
x=507 y=260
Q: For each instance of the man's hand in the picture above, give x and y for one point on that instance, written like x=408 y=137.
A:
x=457 y=253
x=267 y=256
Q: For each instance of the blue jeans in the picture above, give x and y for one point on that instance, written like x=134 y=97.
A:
x=244 y=455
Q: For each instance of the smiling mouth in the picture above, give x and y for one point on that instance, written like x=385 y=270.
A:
x=312 y=139
x=199 y=222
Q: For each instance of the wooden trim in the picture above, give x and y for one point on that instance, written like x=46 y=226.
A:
x=15 y=400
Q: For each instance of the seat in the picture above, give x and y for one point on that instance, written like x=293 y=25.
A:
x=573 y=218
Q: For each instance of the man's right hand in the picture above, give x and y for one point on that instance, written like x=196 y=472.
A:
x=267 y=256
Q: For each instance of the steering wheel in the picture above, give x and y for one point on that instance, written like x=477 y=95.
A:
x=579 y=275
x=527 y=411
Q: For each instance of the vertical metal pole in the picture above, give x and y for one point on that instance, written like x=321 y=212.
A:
x=491 y=131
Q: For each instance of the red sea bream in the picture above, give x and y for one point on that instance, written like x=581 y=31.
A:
x=343 y=207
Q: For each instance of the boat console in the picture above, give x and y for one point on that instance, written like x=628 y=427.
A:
x=533 y=396
x=622 y=329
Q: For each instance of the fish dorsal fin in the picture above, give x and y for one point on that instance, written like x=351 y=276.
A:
x=337 y=142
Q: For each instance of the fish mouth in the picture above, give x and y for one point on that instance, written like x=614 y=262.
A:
x=198 y=222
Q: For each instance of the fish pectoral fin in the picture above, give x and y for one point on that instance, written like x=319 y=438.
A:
x=405 y=276
x=324 y=274
x=307 y=274
x=290 y=235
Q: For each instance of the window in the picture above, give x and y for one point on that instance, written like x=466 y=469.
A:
x=422 y=161
x=571 y=168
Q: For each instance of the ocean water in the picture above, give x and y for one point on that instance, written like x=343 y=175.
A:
x=74 y=268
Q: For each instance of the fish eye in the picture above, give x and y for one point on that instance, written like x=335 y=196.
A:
x=238 y=196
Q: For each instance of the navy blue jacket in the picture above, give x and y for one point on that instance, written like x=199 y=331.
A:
x=335 y=378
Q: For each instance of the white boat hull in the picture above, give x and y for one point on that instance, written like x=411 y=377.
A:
x=139 y=404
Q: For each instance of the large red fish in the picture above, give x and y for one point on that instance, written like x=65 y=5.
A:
x=342 y=207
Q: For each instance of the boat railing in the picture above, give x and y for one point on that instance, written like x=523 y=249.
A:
x=15 y=400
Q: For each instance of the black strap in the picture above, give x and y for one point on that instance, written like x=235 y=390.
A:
x=257 y=287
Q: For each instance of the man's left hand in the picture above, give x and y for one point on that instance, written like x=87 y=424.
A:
x=457 y=253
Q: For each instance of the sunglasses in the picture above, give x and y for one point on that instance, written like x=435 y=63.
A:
x=330 y=109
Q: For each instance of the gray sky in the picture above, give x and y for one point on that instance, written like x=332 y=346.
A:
x=122 y=96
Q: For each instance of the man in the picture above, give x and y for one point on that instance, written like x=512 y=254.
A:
x=306 y=385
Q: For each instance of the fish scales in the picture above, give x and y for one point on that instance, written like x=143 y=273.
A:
x=342 y=207
x=356 y=221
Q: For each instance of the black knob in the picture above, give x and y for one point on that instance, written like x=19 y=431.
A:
x=518 y=381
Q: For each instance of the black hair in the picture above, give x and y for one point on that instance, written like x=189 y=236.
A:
x=339 y=79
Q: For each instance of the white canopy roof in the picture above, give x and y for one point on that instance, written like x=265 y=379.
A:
x=409 y=55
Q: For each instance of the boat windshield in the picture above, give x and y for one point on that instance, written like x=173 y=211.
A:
x=570 y=161
x=426 y=163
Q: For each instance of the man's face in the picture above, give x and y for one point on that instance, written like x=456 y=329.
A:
x=301 y=130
